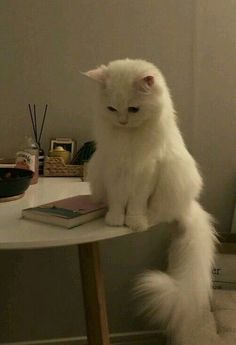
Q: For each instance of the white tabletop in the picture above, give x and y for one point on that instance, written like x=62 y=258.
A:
x=18 y=233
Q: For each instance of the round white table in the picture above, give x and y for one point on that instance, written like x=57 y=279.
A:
x=18 y=233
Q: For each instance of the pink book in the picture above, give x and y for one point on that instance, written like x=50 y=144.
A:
x=68 y=212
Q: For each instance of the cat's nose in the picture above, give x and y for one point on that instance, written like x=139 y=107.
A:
x=123 y=119
x=124 y=122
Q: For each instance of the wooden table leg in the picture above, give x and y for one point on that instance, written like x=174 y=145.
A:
x=94 y=294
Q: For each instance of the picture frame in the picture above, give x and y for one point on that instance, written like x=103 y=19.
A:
x=68 y=144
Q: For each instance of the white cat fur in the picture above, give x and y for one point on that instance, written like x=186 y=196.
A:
x=145 y=174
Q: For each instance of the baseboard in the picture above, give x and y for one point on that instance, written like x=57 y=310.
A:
x=133 y=338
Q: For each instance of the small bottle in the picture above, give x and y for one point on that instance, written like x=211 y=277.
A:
x=41 y=160
x=28 y=158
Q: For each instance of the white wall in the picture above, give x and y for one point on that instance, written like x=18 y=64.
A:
x=44 y=46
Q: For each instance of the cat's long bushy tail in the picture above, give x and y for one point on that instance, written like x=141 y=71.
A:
x=179 y=298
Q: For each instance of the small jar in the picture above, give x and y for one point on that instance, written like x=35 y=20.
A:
x=59 y=151
x=28 y=158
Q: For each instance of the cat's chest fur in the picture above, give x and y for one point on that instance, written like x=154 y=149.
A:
x=129 y=153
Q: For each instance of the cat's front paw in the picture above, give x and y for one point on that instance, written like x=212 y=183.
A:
x=137 y=222
x=115 y=219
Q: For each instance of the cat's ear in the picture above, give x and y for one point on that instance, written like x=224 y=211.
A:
x=99 y=74
x=145 y=83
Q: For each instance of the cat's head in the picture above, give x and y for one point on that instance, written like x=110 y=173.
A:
x=132 y=91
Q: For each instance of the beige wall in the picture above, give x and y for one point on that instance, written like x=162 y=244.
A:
x=44 y=45
x=214 y=123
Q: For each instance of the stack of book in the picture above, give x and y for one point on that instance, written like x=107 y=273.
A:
x=67 y=213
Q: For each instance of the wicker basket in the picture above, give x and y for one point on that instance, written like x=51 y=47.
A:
x=55 y=166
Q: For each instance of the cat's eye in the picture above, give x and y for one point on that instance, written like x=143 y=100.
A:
x=133 y=109
x=111 y=108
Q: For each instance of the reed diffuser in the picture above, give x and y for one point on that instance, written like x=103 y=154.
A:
x=38 y=131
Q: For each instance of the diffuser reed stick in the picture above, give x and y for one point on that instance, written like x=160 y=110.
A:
x=35 y=122
x=42 y=125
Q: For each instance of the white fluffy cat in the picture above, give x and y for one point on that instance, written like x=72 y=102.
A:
x=145 y=174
